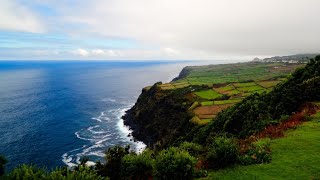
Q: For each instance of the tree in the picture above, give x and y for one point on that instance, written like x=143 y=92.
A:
x=112 y=167
x=137 y=166
x=3 y=161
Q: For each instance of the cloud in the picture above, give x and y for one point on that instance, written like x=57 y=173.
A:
x=16 y=17
x=215 y=27
x=176 y=29
x=81 y=52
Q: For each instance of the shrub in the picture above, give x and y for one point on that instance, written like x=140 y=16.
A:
x=26 y=172
x=222 y=152
x=82 y=173
x=259 y=152
x=174 y=163
x=3 y=161
x=114 y=156
x=193 y=148
x=135 y=166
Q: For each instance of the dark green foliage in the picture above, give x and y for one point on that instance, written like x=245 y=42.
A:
x=223 y=152
x=259 y=152
x=112 y=167
x=137 y=167
x=25 y=172
x=193 y=148
x=257 y=111
x=174 y=163
x=3 y=162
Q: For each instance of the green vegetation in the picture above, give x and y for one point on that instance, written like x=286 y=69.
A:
x=26 y=172
x=229 y=101
x=174 y=163
x=258 y=110
x=238 y=85
x=222 y=152
x=239 y=72
x=3 y=161
x=207 y=103
x=208 y=94
x=268 y=84
x=293 y=157
x=229 y=87
x=135 y=166
x=250 y=88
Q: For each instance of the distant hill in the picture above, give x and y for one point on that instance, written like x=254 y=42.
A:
x=298 y=58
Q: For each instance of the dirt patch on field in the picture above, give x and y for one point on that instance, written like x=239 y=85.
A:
x=225 y=106
x=207 y=110
x=206 y=116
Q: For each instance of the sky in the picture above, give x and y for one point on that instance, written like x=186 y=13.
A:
x=157 y=29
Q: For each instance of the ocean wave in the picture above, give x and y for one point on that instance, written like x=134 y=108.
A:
x=102 y=135
x=108 y=100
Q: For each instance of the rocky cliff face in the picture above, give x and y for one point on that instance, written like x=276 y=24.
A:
x=184 y=73
x=158 y=116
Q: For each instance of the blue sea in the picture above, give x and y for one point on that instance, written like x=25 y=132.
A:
x=54 y=112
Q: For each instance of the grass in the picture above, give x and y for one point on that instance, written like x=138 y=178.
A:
x=207 y=103
x=268 y=84
x=194 y=105
x=208 y=94
x=294 y=157
x=225 y=88
x=232 y=92
x=197 y=120
x=238 y=72
x=244 y=84
x=250 y=88
x=229 y=101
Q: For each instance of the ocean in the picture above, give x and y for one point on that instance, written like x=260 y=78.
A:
x=54 y=112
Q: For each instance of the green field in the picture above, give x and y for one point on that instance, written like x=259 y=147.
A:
x=244 y=84
x=268 y=84
x=208 y=94
x=239 y=72
x=297 y=156
x=207 y=103
x=229 y=101
x=250 y=88
x=226 y=88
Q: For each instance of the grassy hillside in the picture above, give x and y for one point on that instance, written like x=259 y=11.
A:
x=296 y=156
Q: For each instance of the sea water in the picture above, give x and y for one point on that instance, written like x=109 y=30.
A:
x=52 y=113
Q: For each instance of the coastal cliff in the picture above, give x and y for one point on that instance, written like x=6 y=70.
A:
x=158 y=116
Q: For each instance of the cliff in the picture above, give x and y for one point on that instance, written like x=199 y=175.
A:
x=158 y=116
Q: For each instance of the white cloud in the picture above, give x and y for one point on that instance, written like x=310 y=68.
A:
x=16 y=17
x=98 y=52
x=179 y=29
x=81 y=52
x=213 y=27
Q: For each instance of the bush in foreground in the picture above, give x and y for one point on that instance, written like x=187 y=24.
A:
x=174 y=163
x=222 y=152
x=259 y=152
x=138 y=167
